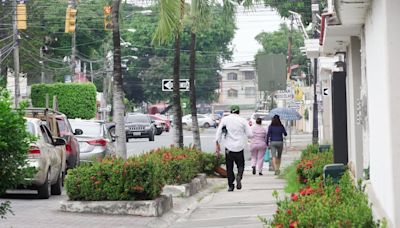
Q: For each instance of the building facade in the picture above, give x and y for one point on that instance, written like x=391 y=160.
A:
x=362 y=38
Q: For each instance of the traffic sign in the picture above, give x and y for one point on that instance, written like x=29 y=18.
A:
x=168 y=85
x=326 y=91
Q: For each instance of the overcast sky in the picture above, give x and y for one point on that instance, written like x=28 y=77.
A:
x=249 y=24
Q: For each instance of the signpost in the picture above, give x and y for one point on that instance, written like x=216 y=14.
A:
x=168 y=85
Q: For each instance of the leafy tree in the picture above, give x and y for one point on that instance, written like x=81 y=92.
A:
x=14 y=144
x=277 y=43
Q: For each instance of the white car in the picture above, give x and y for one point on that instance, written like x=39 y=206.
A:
x=204 y=121
x=48 y=156
x=266 y=119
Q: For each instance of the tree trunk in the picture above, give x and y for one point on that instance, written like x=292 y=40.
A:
x=176 y=97
x=192 y=92
x=118 y=93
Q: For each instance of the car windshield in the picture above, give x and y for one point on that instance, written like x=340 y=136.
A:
x=262 y=116
x=137 y=119
x=90 y=129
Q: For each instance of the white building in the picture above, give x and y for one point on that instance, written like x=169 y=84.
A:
x=364 y=37
x=238 y=85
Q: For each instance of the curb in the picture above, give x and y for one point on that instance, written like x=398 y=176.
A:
x=186 y=190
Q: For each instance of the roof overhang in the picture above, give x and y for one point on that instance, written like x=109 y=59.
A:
x=340 y=23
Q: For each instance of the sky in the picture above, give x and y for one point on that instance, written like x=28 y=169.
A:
x=250 y=23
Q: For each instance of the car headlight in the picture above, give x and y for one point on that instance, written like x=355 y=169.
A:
x=147 y=127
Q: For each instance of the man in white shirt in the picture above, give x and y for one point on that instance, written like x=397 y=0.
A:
x=233 y=133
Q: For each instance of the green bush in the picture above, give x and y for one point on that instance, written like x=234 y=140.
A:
x=180 y=165
x=209 y=161
x=14 y=145
x=116 y=179
x=334 y=205
x=141 y=177
x=312 y=163
x=76 y=100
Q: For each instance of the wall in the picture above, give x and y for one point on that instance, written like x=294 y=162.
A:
x=382 y=48
x=238 y=85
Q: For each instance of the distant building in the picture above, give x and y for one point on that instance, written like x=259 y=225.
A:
x=238 y=85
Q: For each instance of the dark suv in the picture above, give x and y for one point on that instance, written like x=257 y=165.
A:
x=139 y=126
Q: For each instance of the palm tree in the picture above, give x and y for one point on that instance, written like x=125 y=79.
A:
x=170 y=23
x=118 y=93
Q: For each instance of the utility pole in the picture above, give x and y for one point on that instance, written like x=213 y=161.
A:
x=290 y=49
x=91 y=71
x=73 y=45
x=42 y=66
x=16 y=55
x=315 y=11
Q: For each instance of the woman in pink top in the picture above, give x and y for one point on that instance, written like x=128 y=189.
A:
x=258 y=146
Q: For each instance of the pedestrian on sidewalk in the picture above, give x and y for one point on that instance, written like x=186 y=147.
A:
x=258 y=146
x=275 y=134
x=232 y=134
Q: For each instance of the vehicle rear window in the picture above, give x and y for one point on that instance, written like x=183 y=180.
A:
x=137 y=119
x=262 y=116
x=30 y=127
x=90 y=129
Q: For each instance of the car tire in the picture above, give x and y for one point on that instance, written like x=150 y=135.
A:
x=45 y=189
x=57 y=187
x=206 y=125
x=151 y=138
x=127 y=139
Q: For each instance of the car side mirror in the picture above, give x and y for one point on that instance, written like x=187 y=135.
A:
x=113 y=138
x=59 y=142
x=78 y=132
x=152 y=121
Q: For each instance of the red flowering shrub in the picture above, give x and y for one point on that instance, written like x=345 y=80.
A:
x=311 y=165
x=340 y=205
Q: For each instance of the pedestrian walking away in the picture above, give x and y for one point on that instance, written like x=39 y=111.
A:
x=258 y=146
x=274 y=140
x=232 y=135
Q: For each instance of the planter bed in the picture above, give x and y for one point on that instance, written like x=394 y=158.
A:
x=186 y=190
x=147 y=208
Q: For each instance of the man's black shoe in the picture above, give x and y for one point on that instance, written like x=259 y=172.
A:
x=254 y=170
x=231 y=188
x=238 y=182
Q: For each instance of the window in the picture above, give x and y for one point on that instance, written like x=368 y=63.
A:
x=232 y=93
x=250 y=91
x=232 y=76
x=248 y=75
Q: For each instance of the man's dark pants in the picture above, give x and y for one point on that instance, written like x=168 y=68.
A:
x=230 y=158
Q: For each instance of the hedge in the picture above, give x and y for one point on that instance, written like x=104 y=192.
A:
x=76 y=100
x=141 y=177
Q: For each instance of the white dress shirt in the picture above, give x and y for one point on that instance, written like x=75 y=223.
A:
x=238 y=133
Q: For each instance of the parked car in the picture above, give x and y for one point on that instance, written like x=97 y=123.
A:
x=72 y=146
x=163 y=118
x=216 y=118
x=266 y=119
x=204 y=121
x=95 y=142
x=139 y=126
x=48 y=157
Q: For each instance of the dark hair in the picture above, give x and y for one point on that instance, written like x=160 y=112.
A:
x=258 y=120
x=276 y=121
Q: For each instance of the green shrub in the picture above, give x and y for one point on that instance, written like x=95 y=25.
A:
x=76 y=100
x=14 y=145
x=340 y=205
x=210 y=161
x=311 y=165
x=116 y=179
x=180 y=165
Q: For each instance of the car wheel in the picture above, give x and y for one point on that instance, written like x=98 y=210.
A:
x=151 y=138
x=127 y=139
x=206 y=125
x=45 y=189
x=57 y=187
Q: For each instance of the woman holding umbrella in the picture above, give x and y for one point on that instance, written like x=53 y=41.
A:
x=275 y=134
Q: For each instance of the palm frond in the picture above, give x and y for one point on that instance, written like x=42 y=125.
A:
x=200 y=12
x=169 y=21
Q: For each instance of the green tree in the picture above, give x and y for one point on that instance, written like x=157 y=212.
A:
x=277 y=43
x=14 y=145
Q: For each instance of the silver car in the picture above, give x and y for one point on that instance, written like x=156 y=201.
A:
x=95 y=142
x=48 y=156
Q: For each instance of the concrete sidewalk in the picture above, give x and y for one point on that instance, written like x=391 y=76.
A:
x=241 y=208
